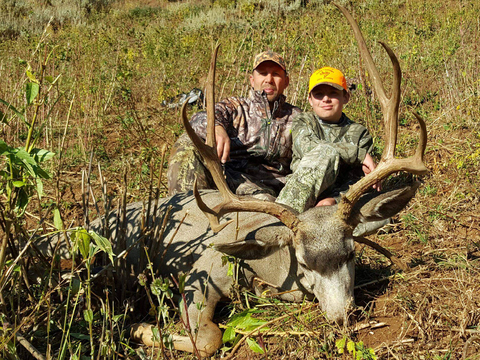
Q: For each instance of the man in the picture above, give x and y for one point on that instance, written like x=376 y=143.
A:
x=253 y=137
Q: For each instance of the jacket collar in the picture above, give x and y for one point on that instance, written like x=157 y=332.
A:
x=261 y=97
x=343 y=121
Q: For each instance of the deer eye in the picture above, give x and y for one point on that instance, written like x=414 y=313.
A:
x=351 y=255
x=302 y=264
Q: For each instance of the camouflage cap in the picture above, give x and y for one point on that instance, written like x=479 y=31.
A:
x=269 y=55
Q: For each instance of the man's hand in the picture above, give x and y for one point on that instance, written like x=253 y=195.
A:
x=368 y=166
x=223 y=144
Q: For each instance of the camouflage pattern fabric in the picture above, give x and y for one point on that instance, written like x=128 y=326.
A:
x=327 y=158
x=260 y=150
x=269 y=55
x=184 y=163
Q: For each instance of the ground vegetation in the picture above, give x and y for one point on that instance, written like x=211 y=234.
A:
x=87 y=116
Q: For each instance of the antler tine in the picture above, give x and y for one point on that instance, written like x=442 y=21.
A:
x=231 y=202
x=377 y=81
x=390 y=107
x=211 y=101
x=422 y=142
x=390 y=110
x=207 y=152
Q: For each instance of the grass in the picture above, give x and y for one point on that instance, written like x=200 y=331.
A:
x=118 y=61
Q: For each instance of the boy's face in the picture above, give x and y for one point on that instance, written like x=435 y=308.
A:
x=327 y=102
x=271 y=78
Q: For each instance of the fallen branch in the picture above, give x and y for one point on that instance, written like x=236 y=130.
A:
x=30 y=348
x=395 y=344
x=276 y=333
x=24 y=342
x=470 y=331
x=369 y=326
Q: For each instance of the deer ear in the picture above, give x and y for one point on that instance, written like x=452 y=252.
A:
x=258 y=244
x=379 y=206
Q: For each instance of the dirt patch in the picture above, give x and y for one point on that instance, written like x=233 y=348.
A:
x=382 y=330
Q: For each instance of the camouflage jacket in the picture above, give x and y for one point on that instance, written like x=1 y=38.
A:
x=257 y=133
x=350 y=139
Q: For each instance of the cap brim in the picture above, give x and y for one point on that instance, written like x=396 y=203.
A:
x=336 y=86
x=279 y=64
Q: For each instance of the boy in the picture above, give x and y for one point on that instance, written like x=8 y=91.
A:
x=328 y=148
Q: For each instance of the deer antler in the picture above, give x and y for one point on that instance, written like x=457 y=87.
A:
x=390 y=105
x=231 y=202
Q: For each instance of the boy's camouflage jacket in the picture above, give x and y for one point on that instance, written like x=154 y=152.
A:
x=350 y=139
x=256 y=133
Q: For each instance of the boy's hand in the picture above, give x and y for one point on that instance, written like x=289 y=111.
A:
x=223 y=144
x=368 y=166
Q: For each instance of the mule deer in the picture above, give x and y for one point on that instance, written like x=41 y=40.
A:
x=309 y=254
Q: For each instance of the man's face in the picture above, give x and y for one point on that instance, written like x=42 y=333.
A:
x=271 y=78
x=327 y=102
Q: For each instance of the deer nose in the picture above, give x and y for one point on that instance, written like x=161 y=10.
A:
x=340 y=316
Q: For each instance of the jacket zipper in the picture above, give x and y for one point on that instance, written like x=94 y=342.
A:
x=269 y=126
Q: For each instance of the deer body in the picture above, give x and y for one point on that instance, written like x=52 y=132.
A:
x=317 y=261
x=263 y=242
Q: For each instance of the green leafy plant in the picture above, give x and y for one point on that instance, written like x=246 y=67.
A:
x=83 y=243
x=246 y=323
x=21 y=178
x=358 y=350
